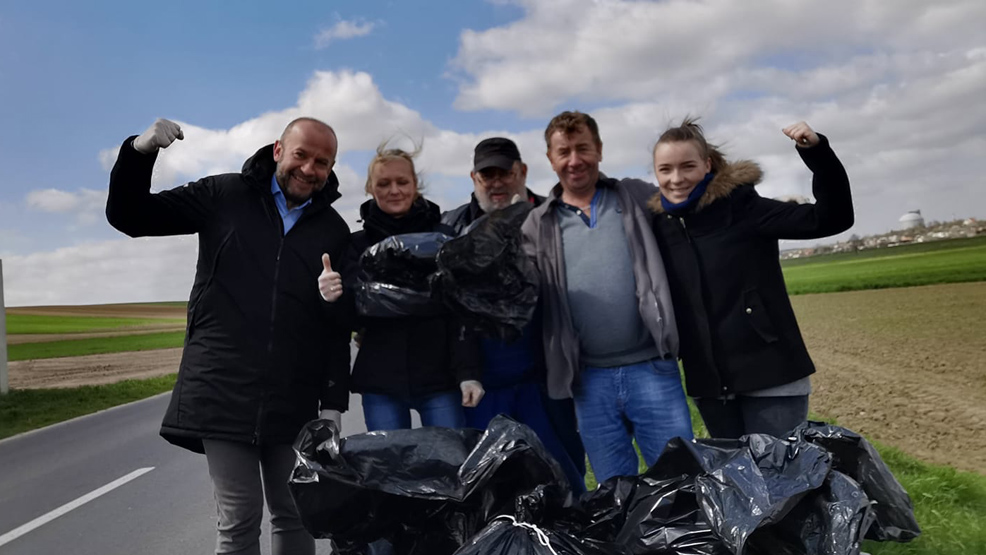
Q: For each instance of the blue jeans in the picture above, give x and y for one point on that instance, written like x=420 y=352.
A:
x=643 y=401
x=388 y=412
x=523 y=402
x=775 y=416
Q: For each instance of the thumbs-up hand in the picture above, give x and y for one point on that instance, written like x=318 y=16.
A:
x=329 y=282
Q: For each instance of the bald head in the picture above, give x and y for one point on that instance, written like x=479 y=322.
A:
x=305 y=155
x=312 y=124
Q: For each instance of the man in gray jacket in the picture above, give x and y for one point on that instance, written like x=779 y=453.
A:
x=609 y=333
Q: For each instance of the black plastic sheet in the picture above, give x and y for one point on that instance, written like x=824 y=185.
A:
x=440 y=491
x=485 y=277
x=854 y=456
x=426 y=490
x=394 y=276
x=507 y=536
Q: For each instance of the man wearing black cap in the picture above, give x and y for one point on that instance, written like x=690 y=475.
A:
x=497 y=175
x=514 y=372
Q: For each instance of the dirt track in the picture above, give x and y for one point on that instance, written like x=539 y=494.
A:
x=92 y=369
x=906 y=367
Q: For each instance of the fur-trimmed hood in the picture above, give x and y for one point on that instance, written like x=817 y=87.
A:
x=741 y=172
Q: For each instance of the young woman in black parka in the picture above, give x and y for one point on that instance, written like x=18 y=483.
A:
x=745 y=362
x=423 y=363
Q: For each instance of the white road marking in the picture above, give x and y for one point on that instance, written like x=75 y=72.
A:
x=46 y=518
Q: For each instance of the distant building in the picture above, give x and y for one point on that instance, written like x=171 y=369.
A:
x=911 y=220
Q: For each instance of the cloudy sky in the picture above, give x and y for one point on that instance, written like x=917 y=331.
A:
x=897 y=86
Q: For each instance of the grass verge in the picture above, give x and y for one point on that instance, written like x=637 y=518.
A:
x=22 y=410
x=95 y=346
x=37 y=323
x=952 y=261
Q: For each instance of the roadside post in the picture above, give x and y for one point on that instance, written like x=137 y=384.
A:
x=4 y=387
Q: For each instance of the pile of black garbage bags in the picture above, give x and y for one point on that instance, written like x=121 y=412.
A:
x=483 y=277
x=440 y=491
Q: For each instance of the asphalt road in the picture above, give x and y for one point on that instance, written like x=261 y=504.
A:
x=107 y=484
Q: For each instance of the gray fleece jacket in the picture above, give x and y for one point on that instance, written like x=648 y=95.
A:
x=543 y=244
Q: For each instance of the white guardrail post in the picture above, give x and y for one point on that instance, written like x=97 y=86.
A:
x=4 y=386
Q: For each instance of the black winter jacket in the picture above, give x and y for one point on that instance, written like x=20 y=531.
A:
x=412 y=356
x=262 y=349
x=737 y=328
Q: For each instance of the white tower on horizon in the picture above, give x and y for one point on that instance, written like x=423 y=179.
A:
x=911 y=220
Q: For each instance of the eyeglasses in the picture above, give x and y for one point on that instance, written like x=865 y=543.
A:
x=489 y=176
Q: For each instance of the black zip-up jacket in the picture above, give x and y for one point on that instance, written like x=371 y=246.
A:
x=737 y=329
x=409 y=357
x=262 y=349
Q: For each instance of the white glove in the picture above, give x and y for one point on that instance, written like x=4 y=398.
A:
x=802 y=135
x=333 y=415
x=472 y=393
x=159 y=135
x=329 y=282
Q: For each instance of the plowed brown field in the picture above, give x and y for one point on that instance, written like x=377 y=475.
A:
x=906 y=367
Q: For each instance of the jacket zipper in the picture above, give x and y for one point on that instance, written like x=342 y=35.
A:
x=684 y=229
x=273 y=312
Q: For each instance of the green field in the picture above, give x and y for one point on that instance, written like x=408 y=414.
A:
x=952 y=261
x=36 y=323
x=28 y=409
x=93 y=346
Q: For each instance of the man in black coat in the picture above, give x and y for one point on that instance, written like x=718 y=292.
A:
x=267 y=346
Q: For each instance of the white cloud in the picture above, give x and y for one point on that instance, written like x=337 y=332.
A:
x=343 y=30
x=85 y=204
x=151 y=269
x=618 y=50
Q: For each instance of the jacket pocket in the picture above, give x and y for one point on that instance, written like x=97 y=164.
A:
x=756 y=314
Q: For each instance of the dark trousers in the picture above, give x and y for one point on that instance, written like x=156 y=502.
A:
x=775 y=416
x=242 y=476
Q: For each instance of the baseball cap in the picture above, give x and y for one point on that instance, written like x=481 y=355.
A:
x=495 y=152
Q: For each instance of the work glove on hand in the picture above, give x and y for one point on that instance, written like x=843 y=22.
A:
x=472 y=393
x=802 y=135
x=159 y=135
x=333 y=415
x=329 y=282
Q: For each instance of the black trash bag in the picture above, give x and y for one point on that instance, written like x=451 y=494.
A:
x=742 y=485
x=664 y=517
x=855 y=457
x=485 y=277
x=646 y=515
x=394 y=275
x=383 y=300
x=606 y=507
x=831 y=520
x=507 y=535
x=425 y=490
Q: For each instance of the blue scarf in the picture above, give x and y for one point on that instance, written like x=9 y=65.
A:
x=686 y=205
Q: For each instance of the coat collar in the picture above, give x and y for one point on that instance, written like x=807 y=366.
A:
x=735 y=174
